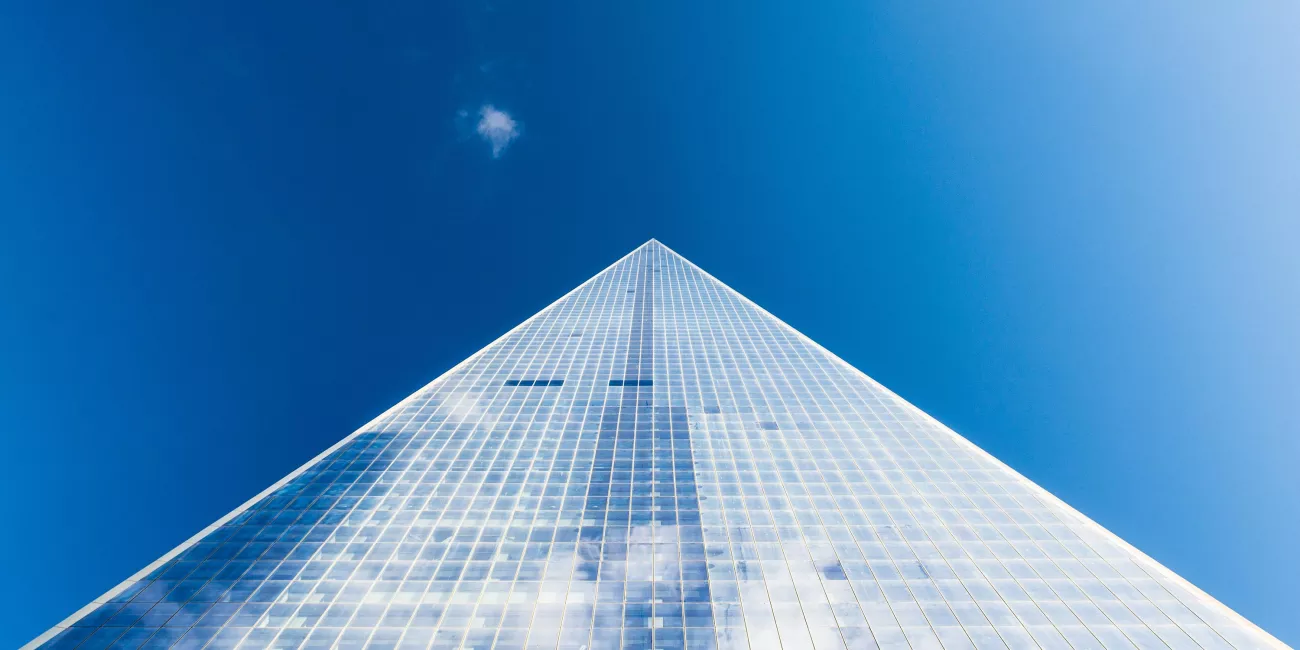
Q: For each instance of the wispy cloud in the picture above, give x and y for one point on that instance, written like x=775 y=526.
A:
x=497 y=128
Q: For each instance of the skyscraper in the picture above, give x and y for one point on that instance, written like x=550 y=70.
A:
x=654 y=461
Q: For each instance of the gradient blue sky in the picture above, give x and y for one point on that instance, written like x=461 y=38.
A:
x=230 y=233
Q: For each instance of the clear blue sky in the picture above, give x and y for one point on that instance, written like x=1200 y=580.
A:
x=232 y=232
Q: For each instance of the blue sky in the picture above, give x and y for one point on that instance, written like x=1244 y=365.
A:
x=230 y=235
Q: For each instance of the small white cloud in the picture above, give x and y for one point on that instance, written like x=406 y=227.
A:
x=498 y=128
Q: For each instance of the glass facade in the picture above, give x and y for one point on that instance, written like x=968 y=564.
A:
x=653 y=461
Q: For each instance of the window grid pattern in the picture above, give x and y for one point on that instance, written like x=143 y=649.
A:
x=655 y=462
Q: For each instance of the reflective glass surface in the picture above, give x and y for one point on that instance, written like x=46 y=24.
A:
x=653 y=461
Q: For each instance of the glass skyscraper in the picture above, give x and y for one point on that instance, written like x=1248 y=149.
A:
x=654 y=461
